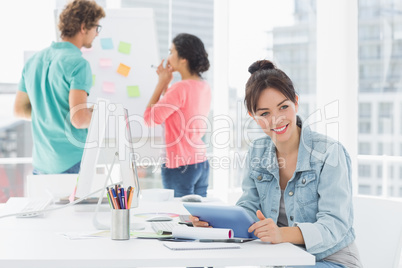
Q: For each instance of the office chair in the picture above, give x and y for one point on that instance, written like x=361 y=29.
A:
x=378 y=226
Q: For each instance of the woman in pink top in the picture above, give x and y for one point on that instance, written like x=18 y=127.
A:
x=184 y=110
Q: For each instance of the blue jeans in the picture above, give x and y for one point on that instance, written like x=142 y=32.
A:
x=185 y=180
x=72 y=170
x=324 y=264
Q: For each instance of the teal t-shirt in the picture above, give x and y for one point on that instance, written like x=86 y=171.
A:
x=47 y=78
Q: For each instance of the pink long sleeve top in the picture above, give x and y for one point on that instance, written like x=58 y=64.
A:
x=184 y=109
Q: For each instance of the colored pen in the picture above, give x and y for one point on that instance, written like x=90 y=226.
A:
x=128 y=195
x=119 y=198
x=125 y=198
x=123 y=205
x=130 y=198
x=115 y=199
x=108 y=199
x=111 y=197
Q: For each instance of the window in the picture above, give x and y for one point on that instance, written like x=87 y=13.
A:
x=379 y=172
x=286 y=34
x=364 y=148
x=364 y=171
x=385 y=148
x=364 y=189
x=385 y=118
x=364 y=127
x=365 y=110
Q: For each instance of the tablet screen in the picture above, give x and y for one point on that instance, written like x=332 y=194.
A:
x=231 y=217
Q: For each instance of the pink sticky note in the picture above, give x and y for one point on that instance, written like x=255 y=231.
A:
x=105 y=62
x=108 y=87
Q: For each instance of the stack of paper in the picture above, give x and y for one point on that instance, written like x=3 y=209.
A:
x=202 y=233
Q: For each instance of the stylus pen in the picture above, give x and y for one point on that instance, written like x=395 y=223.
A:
x=229 y=240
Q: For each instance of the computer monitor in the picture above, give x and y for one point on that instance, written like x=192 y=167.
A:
x=94 y=145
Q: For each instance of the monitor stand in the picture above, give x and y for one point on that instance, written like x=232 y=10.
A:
x=102 y=226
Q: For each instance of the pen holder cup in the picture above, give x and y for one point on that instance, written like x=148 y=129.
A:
x=120 y=227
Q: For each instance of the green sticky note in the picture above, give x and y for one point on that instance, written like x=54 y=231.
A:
x=93 y=80
x=124 y=47
x=133 y=91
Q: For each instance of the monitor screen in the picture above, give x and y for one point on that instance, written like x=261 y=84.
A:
x=123 y=152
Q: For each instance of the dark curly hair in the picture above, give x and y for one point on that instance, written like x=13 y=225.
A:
x=264 y=74
x=192 y=49
x=79 y=12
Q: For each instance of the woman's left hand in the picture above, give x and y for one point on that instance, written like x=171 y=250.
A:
x=165 y=73
x=266 y=229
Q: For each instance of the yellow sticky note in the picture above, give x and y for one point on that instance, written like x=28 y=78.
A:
x=123 y=69
x=108 y=87
x=93 y=79
x=124 y=47
x=133 y=91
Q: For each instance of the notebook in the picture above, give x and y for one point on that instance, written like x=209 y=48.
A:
x=199 y=246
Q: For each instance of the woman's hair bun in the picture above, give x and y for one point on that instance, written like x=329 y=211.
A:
x=260 y=65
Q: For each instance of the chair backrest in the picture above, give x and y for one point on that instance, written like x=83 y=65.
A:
x=57 y=185
x=378 y=226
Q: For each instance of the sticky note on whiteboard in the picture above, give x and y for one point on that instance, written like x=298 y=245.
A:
x=124 y=47
x=123 y=69
x=133 y=91
x=108 y=87
x=105 y=62
x=106 y=43
x=93 y=79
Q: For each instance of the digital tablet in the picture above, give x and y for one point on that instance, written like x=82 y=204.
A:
x=230 y=217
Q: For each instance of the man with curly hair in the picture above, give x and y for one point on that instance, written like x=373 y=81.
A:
x=53 y=91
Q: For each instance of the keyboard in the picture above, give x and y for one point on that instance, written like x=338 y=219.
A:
x=34 y=206
x=164 y=227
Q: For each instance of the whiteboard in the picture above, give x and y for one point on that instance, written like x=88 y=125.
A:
x=121 y=57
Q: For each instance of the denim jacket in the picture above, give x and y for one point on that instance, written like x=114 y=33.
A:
x=318 y=197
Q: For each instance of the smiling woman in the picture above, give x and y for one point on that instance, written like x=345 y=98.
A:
x=309 y=187
x=297 y=183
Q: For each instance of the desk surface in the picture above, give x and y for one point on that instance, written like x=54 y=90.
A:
x=38 y=242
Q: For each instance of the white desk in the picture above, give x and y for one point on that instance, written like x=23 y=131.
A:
x=36 y=242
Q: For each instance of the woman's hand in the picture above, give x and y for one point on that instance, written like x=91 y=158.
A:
x=266 y=229
x=197 y=223
x=165 y=74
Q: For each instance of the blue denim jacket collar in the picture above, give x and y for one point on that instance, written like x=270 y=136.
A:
x=305 y=148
